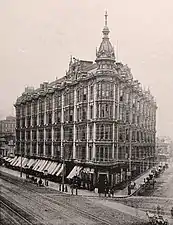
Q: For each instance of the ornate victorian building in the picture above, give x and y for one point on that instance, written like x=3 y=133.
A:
x=97 y=116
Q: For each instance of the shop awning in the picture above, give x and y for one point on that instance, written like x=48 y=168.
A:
x=37 y=166
x=75 y=172
x=50 y=167
x=31 y=162
x=41 y=164
x=56 y=169
x=41 y=168
x=9 y=159
x=25 y=161
x=14 y=160
x=17 y=161
x=60 y=170
x=5 y=157
x=53 y=168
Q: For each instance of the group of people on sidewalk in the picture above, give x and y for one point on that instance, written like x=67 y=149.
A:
x=38 y=182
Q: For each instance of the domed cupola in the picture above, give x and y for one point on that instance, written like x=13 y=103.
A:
x=105 y=55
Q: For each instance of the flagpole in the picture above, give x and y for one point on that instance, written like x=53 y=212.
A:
x=117 y=51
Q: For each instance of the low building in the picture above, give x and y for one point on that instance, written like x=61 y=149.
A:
x=164 y=149
x=96 y=117
x=7 y=135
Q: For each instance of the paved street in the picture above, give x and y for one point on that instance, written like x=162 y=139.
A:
x=161 y=195
x=164 y=185
x=48 y=206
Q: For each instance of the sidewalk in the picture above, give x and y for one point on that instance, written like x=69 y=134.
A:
x=138 y=181
x=55 y=186
x=52 y=185
x=106 y=202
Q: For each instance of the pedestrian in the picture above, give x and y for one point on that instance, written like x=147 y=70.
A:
x=40 y=183
x=172 y=212
x=112 y=192
x=134 y=184
x=129 y=189
x=109 y=192
x=158 y=210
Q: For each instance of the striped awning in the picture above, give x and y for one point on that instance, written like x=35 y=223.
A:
x=56 y=169
x=75 y=172
x=37 y=165
x=14 y=160
x=31 y=163
x=9 y=159
x=24 y=162
x=48 y=165
x=53 y=167
x=17 y=162
x=60 y=170
x=43 y=165
x=5 y=157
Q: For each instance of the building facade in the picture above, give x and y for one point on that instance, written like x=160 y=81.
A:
x=164 y=149
x=96 y=116
x=8 y=126
x=7 y=136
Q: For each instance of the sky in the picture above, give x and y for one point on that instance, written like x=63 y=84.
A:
x=37 y=38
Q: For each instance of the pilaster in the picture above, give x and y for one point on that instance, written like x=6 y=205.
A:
x=94 y=127
x=118 y=116
x=62 y=122
x=37 y=126
x=44 y=148
x=74 y=126
x=113 y=128
x=53 y=121
x=88 y=118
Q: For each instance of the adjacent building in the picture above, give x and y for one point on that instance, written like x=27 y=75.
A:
x=8 y=126
x=7 y=136
x=164 y=149
x=96 y=116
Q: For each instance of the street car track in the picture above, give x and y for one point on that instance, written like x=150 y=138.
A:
x=64 y=205
x=14 y=216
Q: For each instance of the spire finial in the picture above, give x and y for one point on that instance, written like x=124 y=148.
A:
x=106 y=18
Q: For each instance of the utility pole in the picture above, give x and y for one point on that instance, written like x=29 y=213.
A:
x=21 y=162
x=63 y=173
x=130 y=142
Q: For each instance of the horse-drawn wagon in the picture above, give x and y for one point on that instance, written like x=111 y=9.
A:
x=156 y=219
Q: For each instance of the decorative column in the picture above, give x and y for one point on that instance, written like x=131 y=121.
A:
x=74 y=127
x=88 y=117
x=24 y=151
x=37 y=126
x=118 y=116
x=44 y=148
x=31 y=150
x=53 y=121
x=113 y=128
x=94 y=116
x=62 y=122
x=130 y=132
